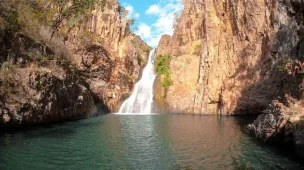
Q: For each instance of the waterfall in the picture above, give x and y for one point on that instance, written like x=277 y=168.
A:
x=141 y=98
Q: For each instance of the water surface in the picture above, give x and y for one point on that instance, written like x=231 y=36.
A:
x=141 y=142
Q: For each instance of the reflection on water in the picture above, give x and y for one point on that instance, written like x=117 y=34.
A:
x=205 y=141
x=141 y=142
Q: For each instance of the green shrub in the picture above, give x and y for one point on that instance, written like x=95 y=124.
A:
x=5 y=83
x=197 y=49
x=162 y=67
x=141 y=60
x=13 y=21
x=162 y=64
x=6 y=87
x=283 y=63
x=147 y=49
x=166 y=82
x=176 y=20
x=160 y=99
x=43 y=60
x=5 y=68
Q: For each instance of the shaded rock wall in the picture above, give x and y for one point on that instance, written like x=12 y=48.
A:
x=36 y=88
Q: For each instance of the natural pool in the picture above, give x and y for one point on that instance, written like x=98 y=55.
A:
x=161 y=141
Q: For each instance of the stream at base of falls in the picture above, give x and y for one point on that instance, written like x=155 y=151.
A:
x=156 y=142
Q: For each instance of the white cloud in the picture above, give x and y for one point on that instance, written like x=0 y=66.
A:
x=131 y=11
x=144 y=31
x=165 y=11
x=153 y=41
x=136 y=15
x=154 y=9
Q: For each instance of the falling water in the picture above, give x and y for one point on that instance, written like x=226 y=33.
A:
x=141 y=98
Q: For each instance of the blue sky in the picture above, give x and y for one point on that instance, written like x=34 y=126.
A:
x=153 y=17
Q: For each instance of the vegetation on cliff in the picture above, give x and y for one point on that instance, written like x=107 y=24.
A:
x=162 y=68
x=57 y=11
x=54 y=14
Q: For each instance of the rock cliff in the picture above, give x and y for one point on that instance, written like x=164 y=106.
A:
x=70 y=74
x=239 y=57
x=114 y=60
x=228 y=55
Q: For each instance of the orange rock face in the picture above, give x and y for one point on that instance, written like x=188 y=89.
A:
x=115 y=60
x=238 y=47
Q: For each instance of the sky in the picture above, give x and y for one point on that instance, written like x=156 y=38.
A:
x=153 y=17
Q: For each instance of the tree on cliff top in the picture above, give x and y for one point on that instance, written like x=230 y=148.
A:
x=70 y=12
x=176 y=20
x=124 y=15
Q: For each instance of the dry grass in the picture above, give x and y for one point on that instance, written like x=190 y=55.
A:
x=3 y=23
x=55 y=43
x=197 y=49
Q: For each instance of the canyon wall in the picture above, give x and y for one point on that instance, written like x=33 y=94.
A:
x=229 y=56
x=75 y=73
x=239 y=57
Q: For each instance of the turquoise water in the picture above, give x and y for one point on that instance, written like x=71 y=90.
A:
x=141 y=142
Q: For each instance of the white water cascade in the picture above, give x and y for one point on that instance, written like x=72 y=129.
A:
x=141 y=98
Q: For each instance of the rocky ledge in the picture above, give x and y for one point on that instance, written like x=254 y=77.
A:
x=280 y=124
